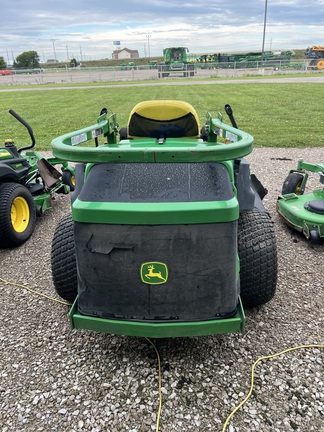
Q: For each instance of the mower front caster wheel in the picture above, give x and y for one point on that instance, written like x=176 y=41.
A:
x=17 y=214
x=292 y=184
x=314 y=237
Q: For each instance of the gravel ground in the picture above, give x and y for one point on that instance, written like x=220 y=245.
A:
x=55 y=378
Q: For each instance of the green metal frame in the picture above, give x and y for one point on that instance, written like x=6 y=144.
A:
x=34 y=156
x=71 y=146
x=303 y=167
x=158 y=330
x=44 y=200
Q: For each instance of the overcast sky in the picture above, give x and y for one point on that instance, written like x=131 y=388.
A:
x=86 y=29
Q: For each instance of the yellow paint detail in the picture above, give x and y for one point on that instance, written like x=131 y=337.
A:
x=4 y=153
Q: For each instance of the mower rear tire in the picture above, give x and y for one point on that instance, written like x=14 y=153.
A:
x=258 y=258
x=63 y=260
x=17 y=214
x=292 y=184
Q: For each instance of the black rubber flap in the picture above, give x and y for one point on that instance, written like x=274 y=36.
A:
x=200 y=260
x=316 y=206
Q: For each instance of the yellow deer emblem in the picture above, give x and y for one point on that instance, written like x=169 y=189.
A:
x=152 y=276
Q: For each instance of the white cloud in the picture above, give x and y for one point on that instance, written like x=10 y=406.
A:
x=220 y=26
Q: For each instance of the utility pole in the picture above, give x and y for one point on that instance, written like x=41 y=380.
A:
x=264 y=27
x=53 y=42
x=148 y=45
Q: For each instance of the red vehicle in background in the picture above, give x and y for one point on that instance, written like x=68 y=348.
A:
x=5 y=72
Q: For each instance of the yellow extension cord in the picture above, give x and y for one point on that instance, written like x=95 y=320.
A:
x=160 y=385
x=34 y=292
x=252 y=375
x=159 y=360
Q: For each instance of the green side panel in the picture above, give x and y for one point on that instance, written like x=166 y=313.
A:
x=159 y=330
x=155 y=213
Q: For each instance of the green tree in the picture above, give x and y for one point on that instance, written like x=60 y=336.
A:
x=3 y=64
x=73 y=63
x=28 y=59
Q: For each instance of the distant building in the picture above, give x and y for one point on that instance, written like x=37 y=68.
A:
x=52 y=61
x=125 y=53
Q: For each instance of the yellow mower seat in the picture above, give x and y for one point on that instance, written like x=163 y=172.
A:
x=163 y=119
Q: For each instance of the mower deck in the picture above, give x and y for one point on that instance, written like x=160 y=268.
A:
x=294 y=209
x=303 y=212
x=158 y=330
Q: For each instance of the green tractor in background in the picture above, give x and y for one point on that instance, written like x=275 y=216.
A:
x=168 y=235
x=28 y=182
x=175 y=63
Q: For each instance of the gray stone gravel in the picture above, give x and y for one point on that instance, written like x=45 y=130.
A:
x=53 y=378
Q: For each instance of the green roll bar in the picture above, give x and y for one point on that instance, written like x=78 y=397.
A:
x=71 y=146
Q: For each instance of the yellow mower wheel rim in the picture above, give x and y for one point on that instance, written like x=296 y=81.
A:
x=298 y=189
x=20 y=214
x=320 y=64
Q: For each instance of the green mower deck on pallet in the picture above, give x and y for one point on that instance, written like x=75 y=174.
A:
x=303 y=212
x=28 y=182
x=168 y=234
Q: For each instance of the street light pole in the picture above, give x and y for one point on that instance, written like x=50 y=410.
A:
x=264 y=27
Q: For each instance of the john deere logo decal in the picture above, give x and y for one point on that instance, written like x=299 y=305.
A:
x=154 y=273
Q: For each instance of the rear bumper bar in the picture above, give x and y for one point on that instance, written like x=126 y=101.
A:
x=159 y=330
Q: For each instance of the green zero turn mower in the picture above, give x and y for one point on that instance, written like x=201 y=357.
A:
x=27 y=184
x=303 y=212
x=168 y=235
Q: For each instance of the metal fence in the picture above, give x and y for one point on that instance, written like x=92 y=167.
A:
x=147 y=72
